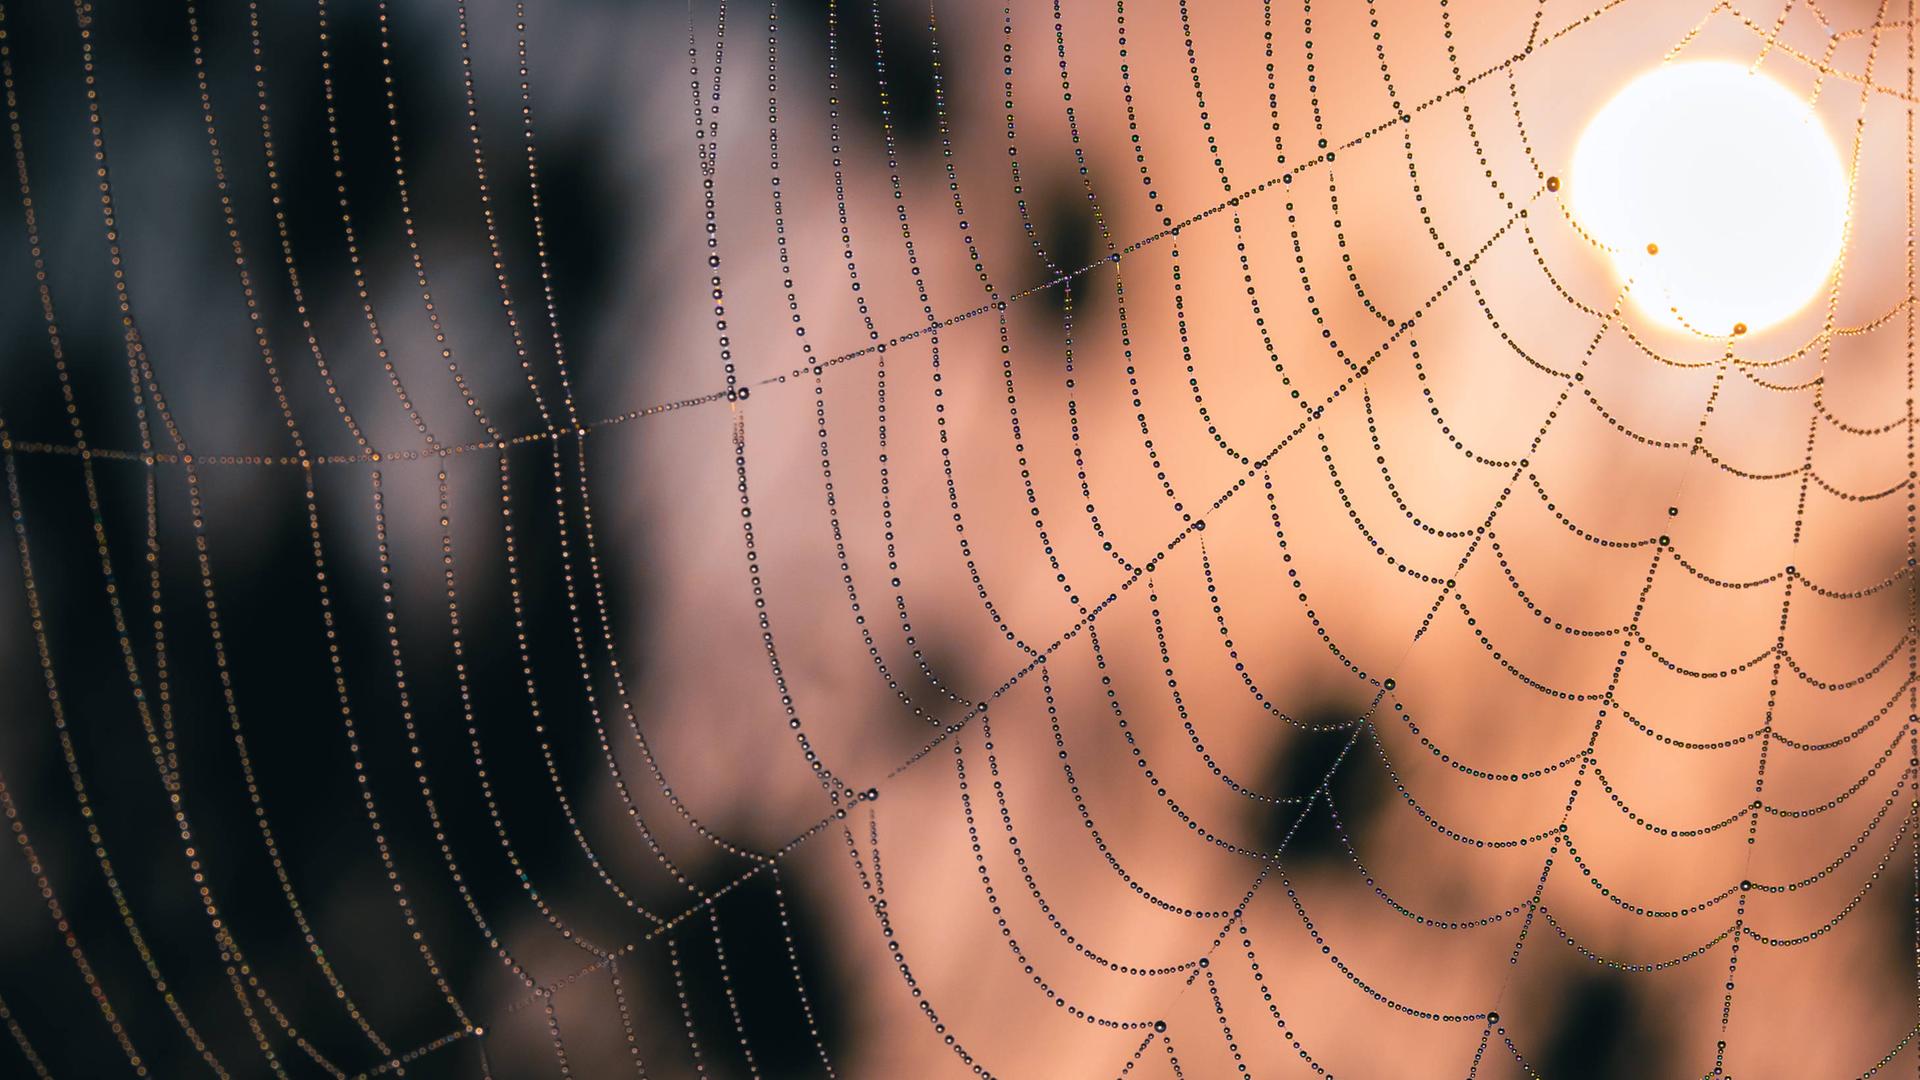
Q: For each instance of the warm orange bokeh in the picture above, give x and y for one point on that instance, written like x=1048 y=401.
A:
x=1271 y=387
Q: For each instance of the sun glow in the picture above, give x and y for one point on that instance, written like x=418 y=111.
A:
x=1717 y=192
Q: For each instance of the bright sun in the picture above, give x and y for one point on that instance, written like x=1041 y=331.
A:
x=1718 y=194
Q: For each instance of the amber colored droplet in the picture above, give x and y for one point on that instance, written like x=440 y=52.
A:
x=1653 y=249
x=1553 y=183
x=1739 y=328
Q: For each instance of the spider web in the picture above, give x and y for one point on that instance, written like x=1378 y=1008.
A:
x=445 y=729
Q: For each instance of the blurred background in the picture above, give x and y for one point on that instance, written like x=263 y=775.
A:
x=879 y=539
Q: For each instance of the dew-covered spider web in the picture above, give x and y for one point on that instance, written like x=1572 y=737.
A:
x=867 y=538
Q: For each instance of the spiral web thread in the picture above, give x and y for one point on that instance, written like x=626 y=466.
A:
x=171 y=468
